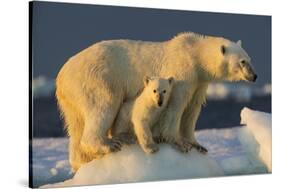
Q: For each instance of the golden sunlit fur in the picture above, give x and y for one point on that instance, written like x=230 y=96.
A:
x=92 y=86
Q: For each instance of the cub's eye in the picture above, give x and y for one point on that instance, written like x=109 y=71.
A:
x=164 y=91
x=154 y=91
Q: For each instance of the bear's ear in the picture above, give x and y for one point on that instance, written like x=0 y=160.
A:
x=146 y=80
x=223 y=49
x=239 y=42
x=171 y=80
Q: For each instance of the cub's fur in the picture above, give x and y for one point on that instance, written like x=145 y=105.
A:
x=143 y=112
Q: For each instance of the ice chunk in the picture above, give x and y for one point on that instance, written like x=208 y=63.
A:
x=259 y=124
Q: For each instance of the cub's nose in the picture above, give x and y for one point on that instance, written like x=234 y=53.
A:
x=160 y=103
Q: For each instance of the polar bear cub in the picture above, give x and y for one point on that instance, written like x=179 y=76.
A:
x=141 y=113
x=147 y=109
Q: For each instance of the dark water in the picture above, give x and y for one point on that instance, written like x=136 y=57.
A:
x=226 y=113
x=216 y=114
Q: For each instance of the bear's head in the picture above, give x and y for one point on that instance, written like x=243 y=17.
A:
x=236 y=64
x=158 y=89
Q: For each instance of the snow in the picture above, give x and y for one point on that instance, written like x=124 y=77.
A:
x=232 y=151
x=132 y=165
x=50 y=160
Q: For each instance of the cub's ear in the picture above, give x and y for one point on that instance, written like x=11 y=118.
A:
x=239 y=42
x=146 y=80
x=171 y=80
x=223 y=49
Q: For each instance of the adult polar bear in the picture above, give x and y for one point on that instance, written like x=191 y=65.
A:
x=93 y=84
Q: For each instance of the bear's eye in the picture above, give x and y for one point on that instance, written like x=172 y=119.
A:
x=243 y=62
x=164 y=91
x=154 y=91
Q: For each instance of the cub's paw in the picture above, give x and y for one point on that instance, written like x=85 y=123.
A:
x=159 y=139
x=150 y=148
x=187 y=145
x=183 y=146
x=179 y=147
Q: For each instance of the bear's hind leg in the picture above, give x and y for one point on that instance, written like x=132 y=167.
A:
x=98 y=121
x=74 y=125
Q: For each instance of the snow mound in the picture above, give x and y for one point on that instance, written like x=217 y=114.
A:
x=133 y=165
x=259 y=125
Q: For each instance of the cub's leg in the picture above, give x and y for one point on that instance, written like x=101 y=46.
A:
x=144 y=137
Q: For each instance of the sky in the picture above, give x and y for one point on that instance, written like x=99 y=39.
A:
x=60 y=30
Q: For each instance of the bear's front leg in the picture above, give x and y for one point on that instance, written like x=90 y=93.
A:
x=190 y=117
x=170 y=120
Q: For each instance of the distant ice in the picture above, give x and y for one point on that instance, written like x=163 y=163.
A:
x=232 y=151
x=267 y=89
x=238 y=92
x=43 y=87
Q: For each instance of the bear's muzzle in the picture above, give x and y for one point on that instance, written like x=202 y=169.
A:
x=252 y=78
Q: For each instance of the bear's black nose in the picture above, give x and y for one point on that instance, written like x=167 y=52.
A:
x=255 y=77
x=159 y=103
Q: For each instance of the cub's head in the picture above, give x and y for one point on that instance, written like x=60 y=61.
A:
x=158 y=89
x=236 y=64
